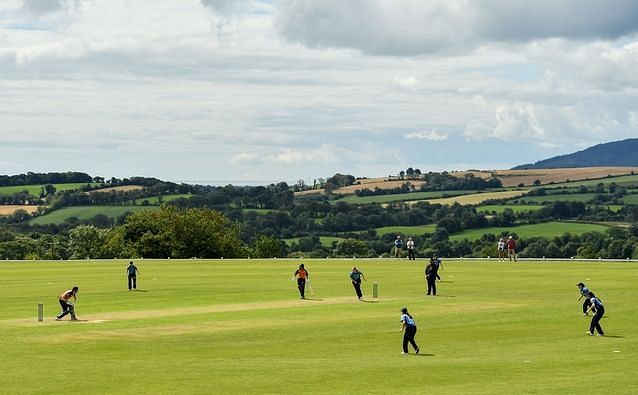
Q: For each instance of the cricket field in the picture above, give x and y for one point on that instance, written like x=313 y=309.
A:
x=238 y=326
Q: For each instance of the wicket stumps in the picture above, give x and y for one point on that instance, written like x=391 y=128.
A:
x=40 y=312
x=375 y=290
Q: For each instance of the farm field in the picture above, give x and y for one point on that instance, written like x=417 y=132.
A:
x=8 y=209
x=207 y=326
x=476 y=198
x=86 y=212
x=546 y=229
x=517 y=208
x=36 y=189
x=626 y=181
x=399 y=197
x=406 y=230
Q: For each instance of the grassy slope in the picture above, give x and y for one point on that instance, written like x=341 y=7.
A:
x=86 y=212
x=628 y=180
x=166 y=198
x=326 y=241
x=400 y=197
x=517 y=208
x=238 y=327
x=546 y=229
x=570 y=197
x=406 y=230
x=36 y=189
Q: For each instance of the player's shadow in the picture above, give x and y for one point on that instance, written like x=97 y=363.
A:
x=314 y=299
x=424 y=355
x=615 y=336
x=369 y=301
x=445 y=296
x=140 y=290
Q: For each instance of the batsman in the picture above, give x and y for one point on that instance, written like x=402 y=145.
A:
x=68 y=306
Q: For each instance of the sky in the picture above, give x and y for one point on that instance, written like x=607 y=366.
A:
x=212 y=91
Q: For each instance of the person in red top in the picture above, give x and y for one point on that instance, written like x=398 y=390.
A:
x=302 y=275
x=67 y=305
x=511 y=248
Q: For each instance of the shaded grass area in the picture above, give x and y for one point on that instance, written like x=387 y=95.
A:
x=545 y=229
x=86 y=212
x=486 y=332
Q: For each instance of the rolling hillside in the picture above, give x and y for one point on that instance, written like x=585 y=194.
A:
x=617 y=153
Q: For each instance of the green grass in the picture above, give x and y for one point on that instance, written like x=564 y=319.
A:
x=155 y=200
x=260 y=211
x=568 y=197
x=630 y=199
x=546 y=229
x=400 y=197
x=36 y=189
x=86 y=212
x=626 y=181
x=239 y=327
x=325 y=241
x=517 y=208
x=406 y=230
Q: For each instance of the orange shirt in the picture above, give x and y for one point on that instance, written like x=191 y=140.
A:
x=301 y=273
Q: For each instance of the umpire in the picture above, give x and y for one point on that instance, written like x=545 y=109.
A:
x=430 y=277
x=302 y=275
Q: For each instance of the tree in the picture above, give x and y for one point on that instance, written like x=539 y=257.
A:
x=85 y=241
x=171 y=232
x=409 y=172
x=402 y=174
x=352 y=247
x=266 y=247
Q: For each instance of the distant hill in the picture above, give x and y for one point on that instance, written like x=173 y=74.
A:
x=617 y=153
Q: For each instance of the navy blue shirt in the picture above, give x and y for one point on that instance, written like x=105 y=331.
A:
x=131 y=269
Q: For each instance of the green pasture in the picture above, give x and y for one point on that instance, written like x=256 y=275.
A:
x=400 y=197
x=626 y=181
x=517 y=208
x=325 y=241
x=239 y=327
x=156 y=200
x=259 y=211
x=545 y=229
x=35 y=190
x=567 y=197
x=406 y=230
x=86 y=212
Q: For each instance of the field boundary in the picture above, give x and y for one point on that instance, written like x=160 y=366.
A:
x=461 y=259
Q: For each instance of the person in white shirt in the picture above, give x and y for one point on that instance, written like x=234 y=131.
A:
x=410 y=246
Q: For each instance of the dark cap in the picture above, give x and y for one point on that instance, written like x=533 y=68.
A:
x=404 y=310
x=580 y=285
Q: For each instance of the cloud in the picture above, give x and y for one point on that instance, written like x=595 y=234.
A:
x=41 y=7
x=227 y=8
x=431 y=135
x=408 y=27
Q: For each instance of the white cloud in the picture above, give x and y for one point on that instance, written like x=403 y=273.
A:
x=408 y=27
x=431 y=135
